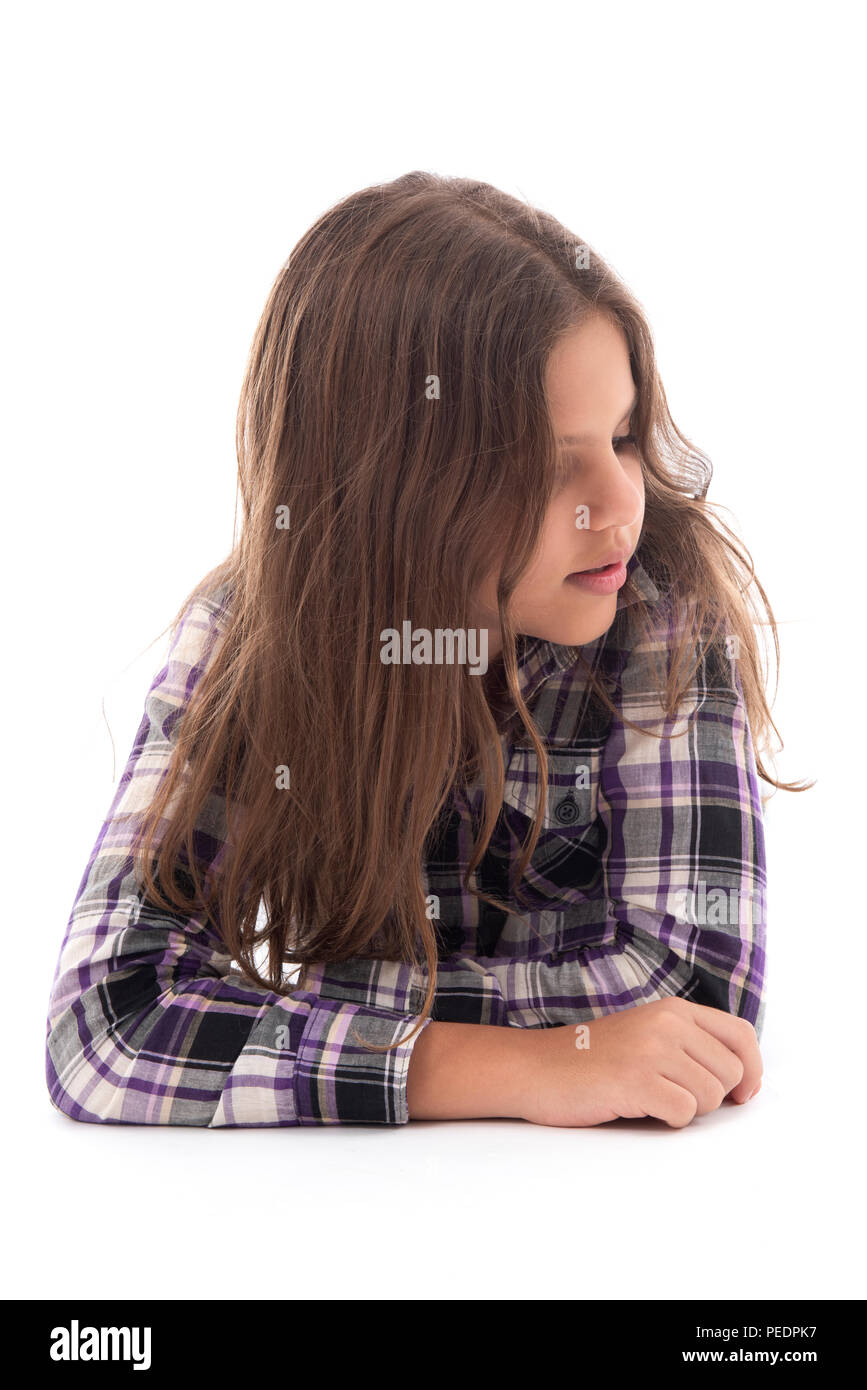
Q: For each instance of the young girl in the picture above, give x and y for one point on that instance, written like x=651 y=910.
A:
x=463 y=726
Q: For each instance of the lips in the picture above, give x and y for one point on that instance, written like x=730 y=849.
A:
x=616 y=557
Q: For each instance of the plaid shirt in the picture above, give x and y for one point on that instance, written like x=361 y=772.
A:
x=647 y=880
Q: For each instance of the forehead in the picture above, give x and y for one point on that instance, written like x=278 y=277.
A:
x=588 y=379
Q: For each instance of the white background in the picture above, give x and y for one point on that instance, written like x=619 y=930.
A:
x=160 y=161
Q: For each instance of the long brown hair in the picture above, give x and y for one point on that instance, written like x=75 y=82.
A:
x=394 y=412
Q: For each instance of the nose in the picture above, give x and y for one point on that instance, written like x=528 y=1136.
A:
x=606 y=496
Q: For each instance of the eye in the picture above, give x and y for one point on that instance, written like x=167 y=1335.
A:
x=568 y=462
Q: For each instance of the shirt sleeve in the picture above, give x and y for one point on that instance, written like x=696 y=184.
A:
x=148 y=1020
x=685 y=859
x=683 y=869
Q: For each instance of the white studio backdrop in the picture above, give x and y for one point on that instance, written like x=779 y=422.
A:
x=160 y=162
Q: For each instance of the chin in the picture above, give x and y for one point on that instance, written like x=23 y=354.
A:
x=574 y=630
x=574 y=633
x=588 y=634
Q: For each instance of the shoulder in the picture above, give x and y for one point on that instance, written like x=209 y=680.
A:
x=200 y=625
x=650 y=644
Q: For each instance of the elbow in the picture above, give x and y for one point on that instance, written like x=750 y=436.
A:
x=65 y=1068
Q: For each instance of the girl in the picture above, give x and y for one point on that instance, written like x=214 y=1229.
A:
x=462 y=727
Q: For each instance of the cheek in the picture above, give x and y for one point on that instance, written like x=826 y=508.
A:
x=636 y=475
x=557 y=543
x=559 y=522
x=547 y=563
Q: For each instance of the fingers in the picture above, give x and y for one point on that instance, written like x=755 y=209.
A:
x=716 y=1057
x=739 y=1036
x=667 y=1100
x=706 y=1089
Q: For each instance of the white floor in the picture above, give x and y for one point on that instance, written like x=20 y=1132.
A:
x=747 y=1202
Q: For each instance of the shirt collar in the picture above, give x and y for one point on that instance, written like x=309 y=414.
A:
x=539 y=659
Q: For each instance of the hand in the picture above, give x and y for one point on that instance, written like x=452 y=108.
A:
x=670 y=1059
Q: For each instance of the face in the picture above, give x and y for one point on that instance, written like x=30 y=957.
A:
x=596 y=513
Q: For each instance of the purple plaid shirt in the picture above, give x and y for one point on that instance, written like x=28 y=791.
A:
x=648 y=880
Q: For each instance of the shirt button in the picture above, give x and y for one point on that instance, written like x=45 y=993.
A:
x=567 y=811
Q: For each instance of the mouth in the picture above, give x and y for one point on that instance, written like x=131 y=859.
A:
x=602 y=569
x=601 y=579
x=608 y=566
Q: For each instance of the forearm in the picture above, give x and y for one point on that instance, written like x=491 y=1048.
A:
x=462 y=1071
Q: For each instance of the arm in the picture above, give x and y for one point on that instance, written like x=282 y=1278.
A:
x=684 y=840
x=679 y=812
x=461 y=1071
x=685 y=860
x=148 y=1023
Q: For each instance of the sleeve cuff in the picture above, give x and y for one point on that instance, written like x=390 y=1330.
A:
x=337 y=1080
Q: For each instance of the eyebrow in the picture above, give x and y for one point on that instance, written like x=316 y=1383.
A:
x=581 y=438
